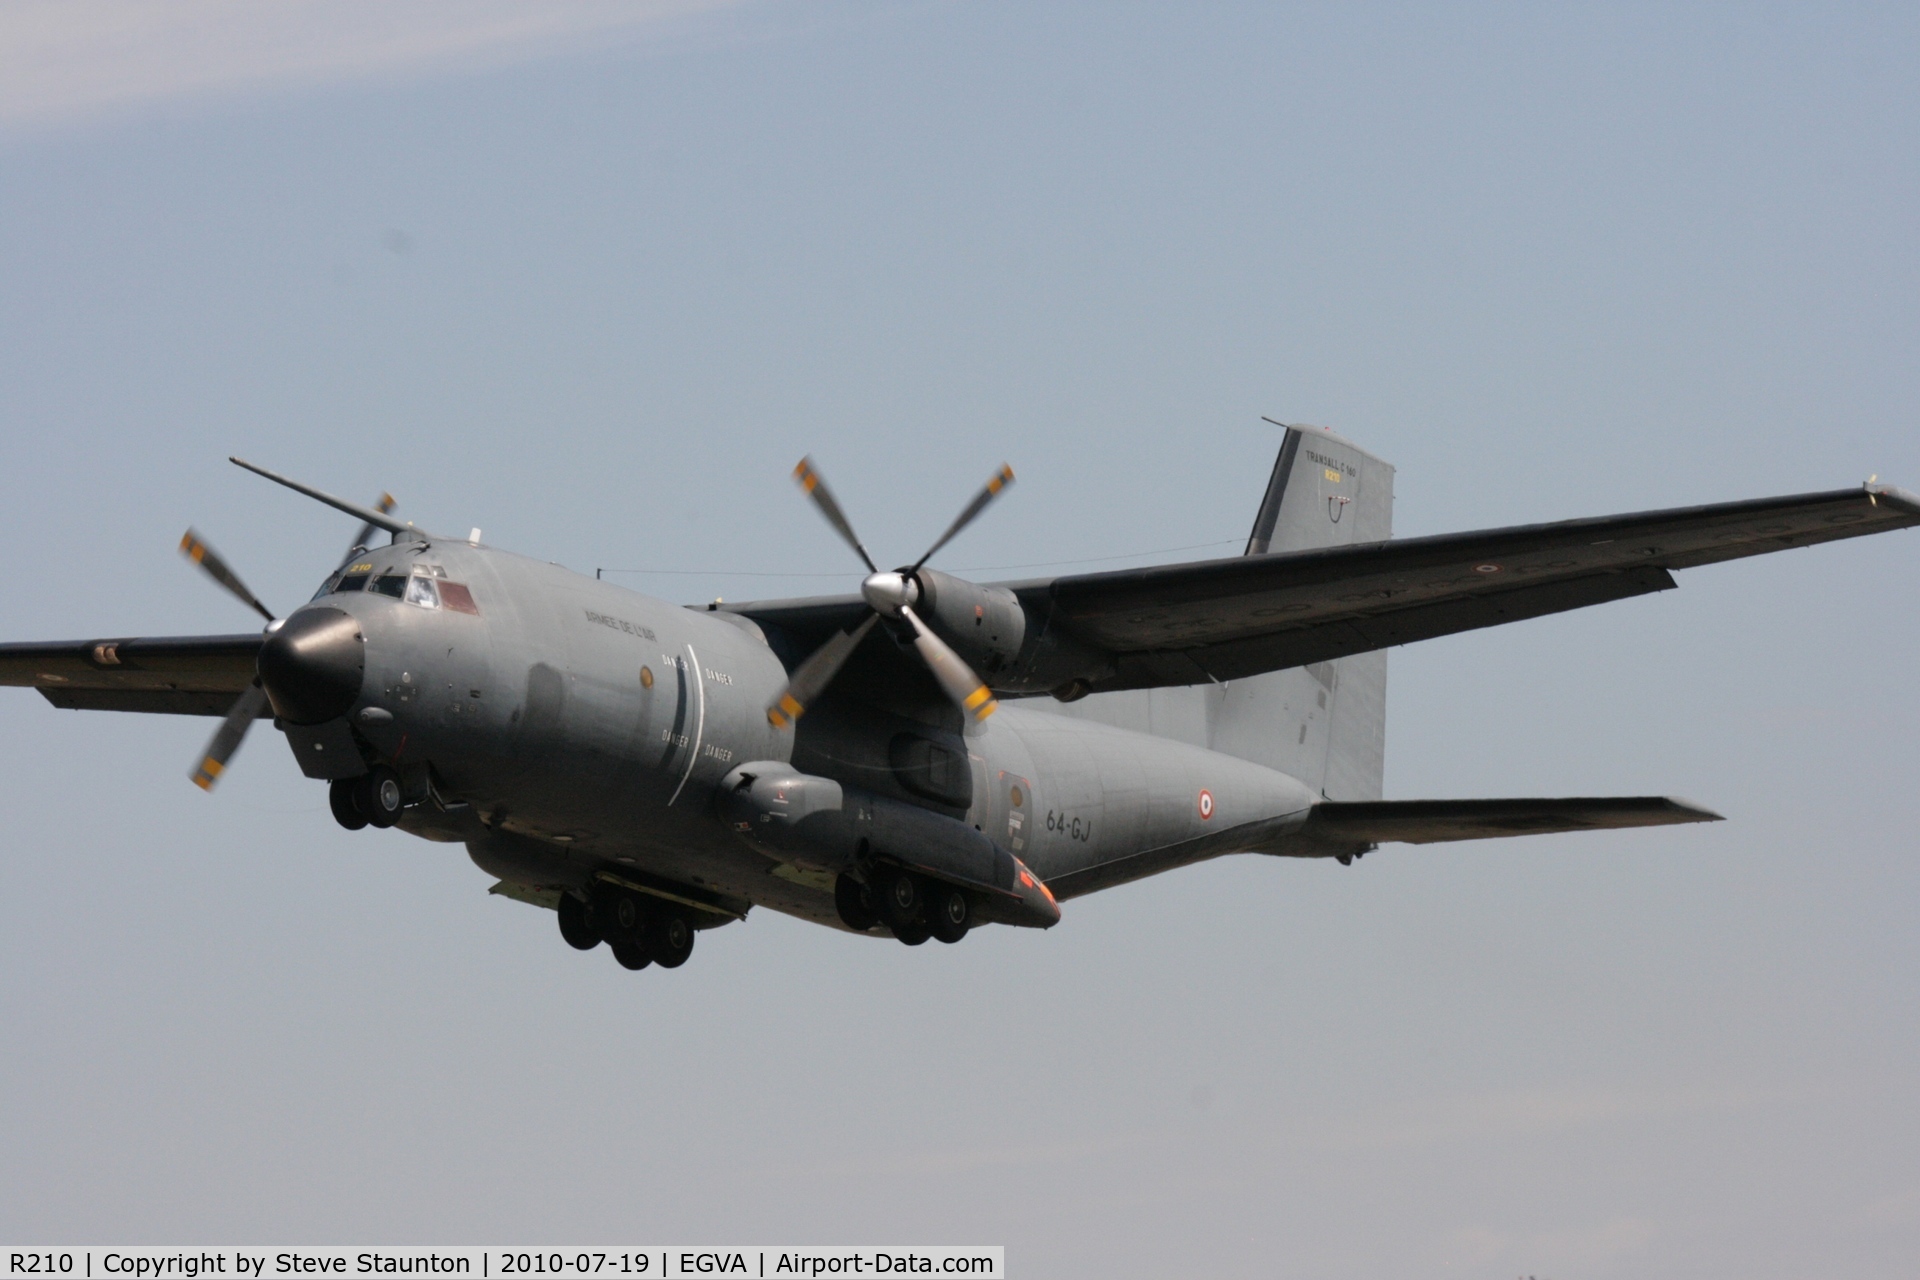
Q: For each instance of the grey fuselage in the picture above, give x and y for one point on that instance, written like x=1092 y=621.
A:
x=568 y=728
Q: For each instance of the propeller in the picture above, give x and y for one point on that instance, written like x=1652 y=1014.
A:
x=252 y=702
x=359 y=543
x=889 y=595
x=194 y=548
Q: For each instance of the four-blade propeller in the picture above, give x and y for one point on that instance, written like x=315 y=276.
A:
x=252 y=703
x=889 y=595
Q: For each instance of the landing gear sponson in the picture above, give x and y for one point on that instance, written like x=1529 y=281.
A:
x=638 y=928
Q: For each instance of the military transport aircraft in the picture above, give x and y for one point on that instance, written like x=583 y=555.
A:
x=648 y=771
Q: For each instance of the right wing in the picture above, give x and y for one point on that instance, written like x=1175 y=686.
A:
x=180 y=675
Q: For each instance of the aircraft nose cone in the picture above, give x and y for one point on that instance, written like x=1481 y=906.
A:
x=312 y=666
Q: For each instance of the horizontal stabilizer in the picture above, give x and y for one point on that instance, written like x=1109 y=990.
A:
x=1431 y=821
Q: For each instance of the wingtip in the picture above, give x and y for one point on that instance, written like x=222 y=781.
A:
x=1894 y=494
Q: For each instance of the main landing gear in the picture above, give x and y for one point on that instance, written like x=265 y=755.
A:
x=913 y=907
x=372 y=799
x=638 y=928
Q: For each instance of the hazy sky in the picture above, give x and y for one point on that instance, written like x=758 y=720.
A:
x=592 y=276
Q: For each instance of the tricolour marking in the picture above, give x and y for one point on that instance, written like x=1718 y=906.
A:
x=1206 y=804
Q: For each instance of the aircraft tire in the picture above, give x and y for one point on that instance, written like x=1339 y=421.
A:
x=898 y=895
x=913 y=934
x=854 y=901
x=949 y=913
x=621 y=916
x=575 y=926
x=670 y=939
x=378 y=797
x=631 y=955
x=340 y=800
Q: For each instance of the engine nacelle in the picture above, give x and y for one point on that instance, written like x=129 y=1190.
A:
x=821 y=825
x=985 y=625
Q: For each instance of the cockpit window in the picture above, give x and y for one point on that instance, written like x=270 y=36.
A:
x=426 y=586
x=421 y=591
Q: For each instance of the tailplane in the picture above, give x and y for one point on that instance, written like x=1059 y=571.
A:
x=1345 y=831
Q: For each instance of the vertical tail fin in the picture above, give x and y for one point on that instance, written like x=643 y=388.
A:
x=1325 y=723
x=1324 y=492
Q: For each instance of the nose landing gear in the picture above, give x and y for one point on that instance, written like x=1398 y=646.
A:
x=372 y=799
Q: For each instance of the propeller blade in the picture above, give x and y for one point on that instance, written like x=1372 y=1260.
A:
x=968 y=692
x=226 y=740
x=1001 y=479
x=822 y=497
x=813 y=676
x=378 y=519
x=359 y=542
x=207 y=558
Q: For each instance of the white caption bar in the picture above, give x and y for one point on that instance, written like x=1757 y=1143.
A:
x=653 y=1262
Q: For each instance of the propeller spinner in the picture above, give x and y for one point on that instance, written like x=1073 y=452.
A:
x=254 y=702
x=890 y=595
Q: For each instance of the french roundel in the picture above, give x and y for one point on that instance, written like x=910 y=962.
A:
x=1206 y=804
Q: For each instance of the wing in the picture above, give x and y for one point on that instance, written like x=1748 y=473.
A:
x=181 y=675
x=1228 y=619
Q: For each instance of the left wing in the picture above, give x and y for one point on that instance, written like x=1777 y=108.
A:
x=1232 y=618
x=1215 y=620
x=180 y=675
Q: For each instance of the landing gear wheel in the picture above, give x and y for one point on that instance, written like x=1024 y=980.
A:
x=671 y=939
x=913 y=934
x=340 y=800
x=631 y=955
x=575 y=927
x=620 y=916
x=949 y=914
x=898 y=896
x=855 y=903
x=615 y=914
x=377 y=796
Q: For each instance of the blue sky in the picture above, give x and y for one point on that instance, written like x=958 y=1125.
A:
x=592 y=276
